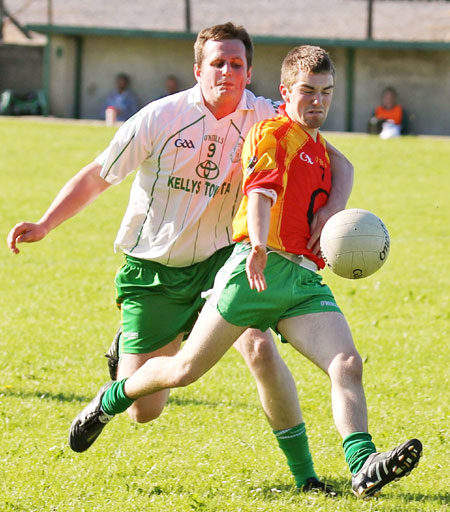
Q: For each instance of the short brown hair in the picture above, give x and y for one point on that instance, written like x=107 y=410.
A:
x=311 y=59
x=220 y=33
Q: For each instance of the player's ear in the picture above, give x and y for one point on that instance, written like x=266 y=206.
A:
x=249 y=76
x=284 y=93
x=197 y=72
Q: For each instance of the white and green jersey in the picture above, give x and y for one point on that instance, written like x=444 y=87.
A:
x=188 y=186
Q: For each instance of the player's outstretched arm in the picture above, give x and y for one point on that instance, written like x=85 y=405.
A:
x=341 y=186
x=258 y=222
x=76 y=194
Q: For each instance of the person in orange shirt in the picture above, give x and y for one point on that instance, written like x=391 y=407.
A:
x=271 y=280
x=388 y=119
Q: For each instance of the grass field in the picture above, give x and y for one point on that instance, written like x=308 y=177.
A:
x=212 y=449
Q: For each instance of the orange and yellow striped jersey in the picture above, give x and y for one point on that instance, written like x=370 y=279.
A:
x=279 y=155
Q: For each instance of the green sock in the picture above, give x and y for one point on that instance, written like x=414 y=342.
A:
x=357 y=447
x=294 y=443
x=115 y=401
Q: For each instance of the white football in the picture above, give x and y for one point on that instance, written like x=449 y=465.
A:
x=354 y=243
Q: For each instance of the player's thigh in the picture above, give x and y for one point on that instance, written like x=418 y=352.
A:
x=210 y=338
x=129 y=363
x=147 y=407
x=321 y=337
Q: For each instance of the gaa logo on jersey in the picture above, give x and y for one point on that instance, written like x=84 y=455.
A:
x=184 y=143
x=207 y=169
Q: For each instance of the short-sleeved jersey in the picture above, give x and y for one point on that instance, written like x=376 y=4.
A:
x=279 y=155
x=188 y=186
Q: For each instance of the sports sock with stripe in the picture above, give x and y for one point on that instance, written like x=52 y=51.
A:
x=357 y=447
x=294 y=443
x=115 y=401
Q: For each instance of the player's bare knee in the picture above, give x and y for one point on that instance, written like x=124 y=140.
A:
x=354 y=367
x=346 y=367
x=259 y=352
x=185 y=374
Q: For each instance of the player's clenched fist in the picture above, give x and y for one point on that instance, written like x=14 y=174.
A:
x=25 y=232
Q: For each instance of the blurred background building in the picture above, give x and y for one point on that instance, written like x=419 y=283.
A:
x=73 y=49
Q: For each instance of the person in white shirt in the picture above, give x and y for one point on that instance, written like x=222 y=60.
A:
x=176 y=232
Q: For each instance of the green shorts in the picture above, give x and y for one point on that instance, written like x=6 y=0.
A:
x=291 y=291
x=159 y=302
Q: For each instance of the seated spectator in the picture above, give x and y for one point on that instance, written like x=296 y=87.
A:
x=389 y=119
x=121 y=103
x=171 y=86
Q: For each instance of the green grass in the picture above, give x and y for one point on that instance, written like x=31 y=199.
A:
x=212 y=449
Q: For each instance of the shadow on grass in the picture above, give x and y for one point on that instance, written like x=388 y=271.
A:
x=271 y=492
x=45 y=395
x=72 y=397
x=174 y=400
